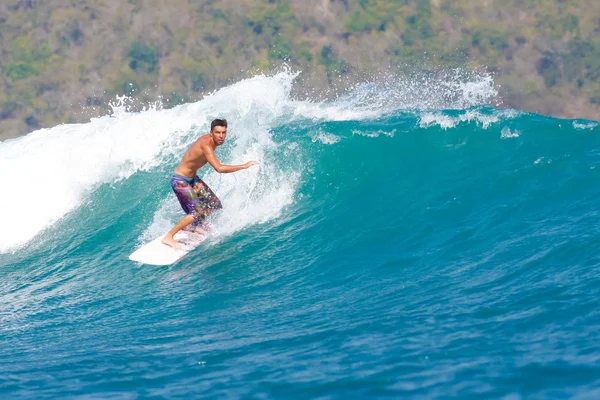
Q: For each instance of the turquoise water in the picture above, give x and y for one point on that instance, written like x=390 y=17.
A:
x=388 y=246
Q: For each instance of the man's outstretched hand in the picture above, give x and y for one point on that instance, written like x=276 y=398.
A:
x=250 y=163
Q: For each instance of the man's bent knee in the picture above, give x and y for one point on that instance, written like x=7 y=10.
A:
x=199 y=215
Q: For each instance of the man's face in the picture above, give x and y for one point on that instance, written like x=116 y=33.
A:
x=218 y=134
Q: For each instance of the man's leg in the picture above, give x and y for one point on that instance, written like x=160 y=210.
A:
x=169 y=237
x=200 y=215
x=187 y=197
x=210 y=203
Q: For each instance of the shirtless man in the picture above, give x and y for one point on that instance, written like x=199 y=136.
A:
x=195 y=197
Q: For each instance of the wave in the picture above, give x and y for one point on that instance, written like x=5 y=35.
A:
x=55 y=171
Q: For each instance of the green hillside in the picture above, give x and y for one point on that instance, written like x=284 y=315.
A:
x=63 y=60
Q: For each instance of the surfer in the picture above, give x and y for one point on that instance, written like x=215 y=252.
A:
x=196 y=198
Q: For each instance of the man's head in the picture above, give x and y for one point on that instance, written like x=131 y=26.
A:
x=218 y=131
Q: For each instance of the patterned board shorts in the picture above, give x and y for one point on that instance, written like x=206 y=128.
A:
x=195 y=196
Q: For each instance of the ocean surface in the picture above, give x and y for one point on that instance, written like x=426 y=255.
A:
x=405 y=240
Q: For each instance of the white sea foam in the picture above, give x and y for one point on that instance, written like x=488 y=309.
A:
x=446 y=121
x=324 y=137
x=374 y=134
x=385 y=94
x=584 y=125
x=430 y=119
x=508 y=133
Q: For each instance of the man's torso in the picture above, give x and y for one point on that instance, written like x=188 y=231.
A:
x=194 y=158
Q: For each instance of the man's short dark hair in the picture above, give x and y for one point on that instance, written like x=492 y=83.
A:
x=218 y=122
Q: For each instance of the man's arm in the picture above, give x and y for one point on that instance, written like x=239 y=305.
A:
x=220 y=168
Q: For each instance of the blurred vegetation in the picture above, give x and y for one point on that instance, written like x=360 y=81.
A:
x=63 y=61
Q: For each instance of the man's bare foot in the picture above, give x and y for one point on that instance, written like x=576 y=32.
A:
x=169 y=241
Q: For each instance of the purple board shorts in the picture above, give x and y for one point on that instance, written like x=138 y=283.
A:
x=195 y=196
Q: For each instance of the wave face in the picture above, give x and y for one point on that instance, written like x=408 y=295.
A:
x=402 y=240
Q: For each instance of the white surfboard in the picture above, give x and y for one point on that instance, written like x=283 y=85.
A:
x=156 y=253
